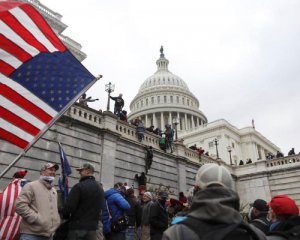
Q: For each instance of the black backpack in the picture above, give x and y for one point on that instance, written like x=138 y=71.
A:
x=292 y=234
x=213 y=231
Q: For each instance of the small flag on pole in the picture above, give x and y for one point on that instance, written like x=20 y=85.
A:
x=65 y=172
x=9 y=219
x=39 y=77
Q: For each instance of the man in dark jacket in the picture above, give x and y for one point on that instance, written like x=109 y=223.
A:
x=119 y=104
x=158 y=216
x=214 y=212
x=84 y=205
x=134 y=214
x=116 y=206
x=257 y=216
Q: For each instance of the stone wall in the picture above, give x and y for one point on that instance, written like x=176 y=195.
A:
x=111 y=145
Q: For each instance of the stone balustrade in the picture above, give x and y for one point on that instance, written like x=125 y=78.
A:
x=86 y=115
x=283 y=162
x=109 y=121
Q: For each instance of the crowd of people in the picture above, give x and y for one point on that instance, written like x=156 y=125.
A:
x=211 y=210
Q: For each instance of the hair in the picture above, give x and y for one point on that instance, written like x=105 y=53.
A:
x=118 y=185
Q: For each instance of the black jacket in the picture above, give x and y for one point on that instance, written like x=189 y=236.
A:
x=134 y=213
x=261 y=222
x=213 y=208
x=84 y=204
x=158 y=220
x=119 y=102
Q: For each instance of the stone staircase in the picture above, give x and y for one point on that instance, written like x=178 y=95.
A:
x=286 y=183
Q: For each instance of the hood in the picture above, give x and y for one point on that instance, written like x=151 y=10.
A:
x=110 y=192
x=217 y=204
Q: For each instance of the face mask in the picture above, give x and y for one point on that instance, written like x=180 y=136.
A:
x=49 y=179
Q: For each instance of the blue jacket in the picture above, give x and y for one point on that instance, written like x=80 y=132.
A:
x=117 y=206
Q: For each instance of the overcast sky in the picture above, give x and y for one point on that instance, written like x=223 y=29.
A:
x=241 y=59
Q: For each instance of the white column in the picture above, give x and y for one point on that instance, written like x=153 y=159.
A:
x=162 y=126
x=185 y=121
x=198 y=124
x=170 y=118
x=193 y=124
x=178 y=119
x=154 y=122
x=146 y=120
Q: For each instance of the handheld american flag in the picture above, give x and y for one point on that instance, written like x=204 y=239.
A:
x=39 y=77
x=65 y=171
x=9 y=219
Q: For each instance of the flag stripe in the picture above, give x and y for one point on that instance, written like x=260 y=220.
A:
x=13 y=100
x=11 y=35
x=9 y=59
x=10 y=222
x=31 y=98
x=5 y=68
x=23 y=32
x=7 y=126
x=43 y=26
x=14 y=49
x=8 y=136
x=22 y=113
x=23 y=18
x=19 y=122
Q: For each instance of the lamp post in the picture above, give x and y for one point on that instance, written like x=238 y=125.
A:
x=176 y=122
x=216 y=143
x=229 y=150
x=109 y=88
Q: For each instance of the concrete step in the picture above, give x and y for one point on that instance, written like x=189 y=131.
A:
x=285 y=180
x=284 y=175
x=285 y=186
x=289 y=192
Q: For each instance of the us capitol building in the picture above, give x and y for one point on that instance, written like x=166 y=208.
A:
x=87 y=135
x=165 y=98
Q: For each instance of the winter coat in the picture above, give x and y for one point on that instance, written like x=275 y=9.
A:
x=158 y=220
x=117 y=206
x=146 y=208
x=134 y=212
x=261 y=222
x=84 y=205
x=212 y=207
x=37 y=205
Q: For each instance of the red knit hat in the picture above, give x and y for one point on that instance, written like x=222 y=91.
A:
x=284 y=205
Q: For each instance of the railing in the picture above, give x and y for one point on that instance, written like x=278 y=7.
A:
x=278 y=162
x=129 y=131
x=194 y=156
x=91 y=117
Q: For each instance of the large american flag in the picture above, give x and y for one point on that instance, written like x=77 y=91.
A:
x=9 y=219
x=39 y=77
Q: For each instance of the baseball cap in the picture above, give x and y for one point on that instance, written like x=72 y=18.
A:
x=284 y=205
x=88 y=166
x=20 y=174
x=212 y=173
x=50 y=165
x=260 y=205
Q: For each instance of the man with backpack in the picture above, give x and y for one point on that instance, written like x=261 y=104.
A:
x=114 y=211
x=258 y=215
x=214 y=214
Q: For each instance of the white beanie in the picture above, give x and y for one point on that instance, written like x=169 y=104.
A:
x=148 y=194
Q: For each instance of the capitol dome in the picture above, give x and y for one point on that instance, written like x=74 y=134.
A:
x=165 y=98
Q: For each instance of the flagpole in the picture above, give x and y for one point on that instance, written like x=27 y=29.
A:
x=48 y=127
